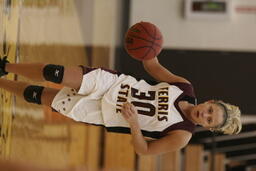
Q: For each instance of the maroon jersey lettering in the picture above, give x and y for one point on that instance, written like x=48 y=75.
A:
x=142 y=95
x=150 y=109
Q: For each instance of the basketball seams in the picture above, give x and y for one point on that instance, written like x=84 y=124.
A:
x=151 y=47
x=138 y=37
x=155 y=31
x=143 y=57
x=154 y=51
x=139 y=47
x=153 y=37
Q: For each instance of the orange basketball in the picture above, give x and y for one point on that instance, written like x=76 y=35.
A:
x=143 y=41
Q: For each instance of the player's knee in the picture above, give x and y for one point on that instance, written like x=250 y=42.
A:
x=53 y=73
x=32 y=94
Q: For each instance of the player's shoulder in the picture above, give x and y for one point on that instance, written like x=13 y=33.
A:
x=187 y=87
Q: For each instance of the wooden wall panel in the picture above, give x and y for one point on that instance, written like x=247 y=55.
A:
x=94 y=148
x=147 y=163
x=219 y=162
x=100 y=56
x=35 y=142
x=78 y=144
x=118 y=152
x=170 y=161
x=193 y=157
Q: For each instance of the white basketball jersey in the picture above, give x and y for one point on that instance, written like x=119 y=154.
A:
x=154 y=103
x=103 y=92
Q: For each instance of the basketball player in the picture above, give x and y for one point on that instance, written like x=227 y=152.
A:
x=166 y=111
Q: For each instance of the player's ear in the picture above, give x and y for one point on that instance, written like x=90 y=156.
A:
x=210 y=129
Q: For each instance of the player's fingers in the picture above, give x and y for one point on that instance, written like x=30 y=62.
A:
x=127 y=104
x=126 y=112
x=125 y=115
x=125 y=107
x=132 y=109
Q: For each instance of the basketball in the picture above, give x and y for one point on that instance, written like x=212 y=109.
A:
x=143 y=41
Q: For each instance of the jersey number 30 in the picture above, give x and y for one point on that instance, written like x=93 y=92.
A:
x=149 y=109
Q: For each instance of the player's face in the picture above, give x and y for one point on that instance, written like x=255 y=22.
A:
x=208 y=114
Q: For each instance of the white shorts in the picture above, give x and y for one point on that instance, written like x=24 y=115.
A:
x=85 y=105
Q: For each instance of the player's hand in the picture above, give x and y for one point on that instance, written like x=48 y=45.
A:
x=130 y=113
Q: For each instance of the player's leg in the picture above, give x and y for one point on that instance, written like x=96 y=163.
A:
x=67 y=76
x=31 y=93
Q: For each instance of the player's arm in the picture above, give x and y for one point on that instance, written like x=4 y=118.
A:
x=174 y=141
x=159 y=72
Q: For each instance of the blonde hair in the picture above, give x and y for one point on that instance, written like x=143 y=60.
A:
x=233 y=124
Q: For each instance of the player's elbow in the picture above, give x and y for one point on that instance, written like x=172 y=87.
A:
x=182 y=146
x=143 y=153
x=160 y=151
x=153 y=152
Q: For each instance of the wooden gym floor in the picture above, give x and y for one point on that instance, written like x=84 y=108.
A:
x=40 y=31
